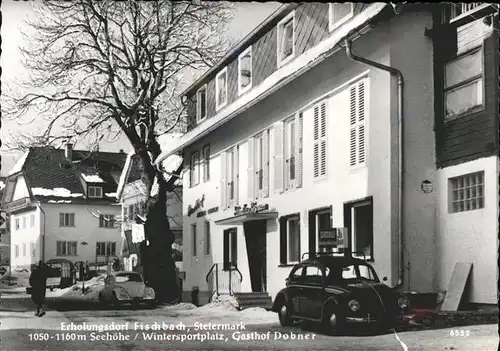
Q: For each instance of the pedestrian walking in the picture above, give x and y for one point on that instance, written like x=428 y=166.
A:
x=38 y=282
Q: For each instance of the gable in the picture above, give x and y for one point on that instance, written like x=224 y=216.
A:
x=20 y=189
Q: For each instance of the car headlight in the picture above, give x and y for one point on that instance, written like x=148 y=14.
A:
x=149 y=294
x=354 y=306
x=403 y=302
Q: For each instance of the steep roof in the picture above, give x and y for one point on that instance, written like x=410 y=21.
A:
x=52 y=177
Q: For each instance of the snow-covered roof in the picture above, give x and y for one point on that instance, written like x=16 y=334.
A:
x=92 y=178
x=58 y=192
x=275 y=81
x=18 y=167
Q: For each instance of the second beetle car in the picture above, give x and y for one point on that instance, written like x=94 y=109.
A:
x=126 y=287
x=338 y=291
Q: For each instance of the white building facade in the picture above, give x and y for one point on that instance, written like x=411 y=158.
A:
x=315 y=144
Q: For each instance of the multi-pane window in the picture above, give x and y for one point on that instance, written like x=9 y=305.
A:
x=221 y=89
x=292 y=153
x=339 y=13
x=245 y=71
x=206 y=163
x=17 y=223
x=24 y=222
x=207 y=238
x=323 y=222
x=32 y=249
x=193 y=239
x=231 y=177
x=290 y=239
x=259 y=162
x=286 y=38
x=66 y=248
x=464 y=84
x=201 y=103
x=357 y=126
x=230 y=251
x=95 y=191
x=320 y=158
x=17 y=251
x=32 y=220
x=467 y=192
x=194 y=169
x=106 y=248
x=106 y=221
x=24 y=249
x=66 y=219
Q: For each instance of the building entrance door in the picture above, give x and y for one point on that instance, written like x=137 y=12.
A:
x=255 y=237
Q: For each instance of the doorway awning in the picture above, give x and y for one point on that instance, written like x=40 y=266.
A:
x=247 y=217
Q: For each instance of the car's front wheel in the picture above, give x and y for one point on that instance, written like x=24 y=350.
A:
x=333 y=322
x=284 y=315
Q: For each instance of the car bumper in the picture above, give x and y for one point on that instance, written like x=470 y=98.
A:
x=394 y=321
x=136 y=299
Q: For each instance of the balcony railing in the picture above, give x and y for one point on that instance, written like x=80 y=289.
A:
x=460 y=14
x=458 y=9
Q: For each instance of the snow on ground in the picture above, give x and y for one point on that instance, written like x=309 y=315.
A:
x=59 y=201
x=2 y=185
x=59 y=192
x=92 y=178
x=111 y=194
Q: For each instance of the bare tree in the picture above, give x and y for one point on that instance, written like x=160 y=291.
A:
x=108 y=67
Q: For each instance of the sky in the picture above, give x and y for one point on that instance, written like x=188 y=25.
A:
x=246 y=16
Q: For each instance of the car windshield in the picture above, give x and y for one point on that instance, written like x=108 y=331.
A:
x=349 y=272
x=128 y=277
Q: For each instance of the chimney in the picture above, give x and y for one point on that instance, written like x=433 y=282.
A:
x=68 y=152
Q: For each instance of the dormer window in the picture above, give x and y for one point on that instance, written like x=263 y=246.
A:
x=201 y=104
x=95 y=191
x=221 y=89
x=286 y=39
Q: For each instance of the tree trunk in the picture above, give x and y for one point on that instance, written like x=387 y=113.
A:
x=159 y=266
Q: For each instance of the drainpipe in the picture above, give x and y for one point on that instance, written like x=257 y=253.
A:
x=400 y=78
x=42 y=255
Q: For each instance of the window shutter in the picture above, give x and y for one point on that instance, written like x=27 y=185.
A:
x=223 y=183
x=278 y=157
x=298 y=150
x=316 y=127
x=323 y=143
x=357 y=136
x=236 y=168
x=250 y=173
x=283 y=241
x=265 y=162
x=61 y=219
x=352 y=123
x=361 y=121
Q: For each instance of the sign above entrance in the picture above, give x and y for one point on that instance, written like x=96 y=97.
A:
x=332 y=237
x=253 y=208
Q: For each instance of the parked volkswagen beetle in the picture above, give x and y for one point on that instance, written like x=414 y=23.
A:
x=126 y=287
x=338 y=291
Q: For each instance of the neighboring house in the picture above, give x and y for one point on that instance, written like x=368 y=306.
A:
x=132 y=196
x=4 y=230
x=62 y=205
x=308 y=126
